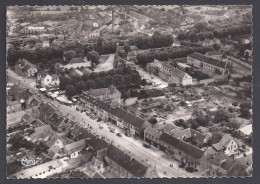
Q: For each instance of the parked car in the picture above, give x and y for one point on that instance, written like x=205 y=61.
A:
x=112 y=130
x=127 y=134
x=146 y=145
x=100 y=127
x=119 y=134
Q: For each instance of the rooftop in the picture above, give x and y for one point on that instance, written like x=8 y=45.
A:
x=208 y=60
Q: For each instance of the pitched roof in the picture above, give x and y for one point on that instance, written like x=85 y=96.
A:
x=118 y=112
x=26 y=68
x=247 y=130
x=212 y=53
x=55 y=77
x=176 y=72
x=75 y=145
x=153 y=131
x=222 y=161
x=97 y=143
x=208 y=60
x=182 y=146
x=136 y=168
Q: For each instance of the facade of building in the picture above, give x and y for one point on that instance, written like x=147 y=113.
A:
x=169 y=73
x=48 y=81
x=208 y=64
x=34 y=30
x=127 y=121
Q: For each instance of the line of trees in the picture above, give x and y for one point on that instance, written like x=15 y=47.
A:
x=173 y=53
x=122 y=78
x=195 y=36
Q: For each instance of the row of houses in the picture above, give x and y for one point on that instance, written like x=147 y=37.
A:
x=107 y=157
x=189 y=148
x=129 y=122
x=169 y=73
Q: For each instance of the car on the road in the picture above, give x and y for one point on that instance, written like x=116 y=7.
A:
x=112 y=130
x=119 y=134
x=100 y=127
x=146 y=145
x=127 y=134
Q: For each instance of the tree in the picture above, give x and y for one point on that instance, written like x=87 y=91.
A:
x=12 y=56
x=70 y=91
x=193 y=37
x=181 y=36
x=64 y=82
x=215 y=138
x=245 y=113
x=68 y=55
x=220 y=115
x=216 y=46
x=153 y=121
x=181 y=123
x=93 y=56
x=144 y=58
x=40 y=148
x=201 y=26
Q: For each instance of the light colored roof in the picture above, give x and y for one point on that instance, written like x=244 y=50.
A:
x=36 y=170
x=75 y=145
x=247 y=130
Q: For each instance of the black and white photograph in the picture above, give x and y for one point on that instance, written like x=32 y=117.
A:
x=129 y=91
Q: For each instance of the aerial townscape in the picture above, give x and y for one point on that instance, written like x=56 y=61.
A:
x=129 y=91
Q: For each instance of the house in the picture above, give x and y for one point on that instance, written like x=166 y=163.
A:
x=222 y=165
x=214 y=54
x=127 y=121
x=182 y=151
x=73 y=149
x=109 y=93
x=169 y=73
x=20 y=94
x=246 y=131
x=25 y=68
x=94 y=34
x=48 y=80
x=228 y=145
x=98 y=166
x=208 y=64
x=124 y=165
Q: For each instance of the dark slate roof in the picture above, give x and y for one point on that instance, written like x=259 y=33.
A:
x=26 y=68
x=176 y=72
x=237 y=169
x=153 y=131
x=97 y=143
x=197 y=135
x=44 y=107
x=223 y=161
x=34 y=102
x=136 y=168
x=212 y=53
x=182 y=146
x=208 y=60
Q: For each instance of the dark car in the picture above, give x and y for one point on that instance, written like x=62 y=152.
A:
x=112 y=130
x=146 y=145
x=119 y=134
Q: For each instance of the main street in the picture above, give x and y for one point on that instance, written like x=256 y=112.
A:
x=156 y=158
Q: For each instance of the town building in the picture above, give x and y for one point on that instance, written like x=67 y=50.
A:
x=47 y=80
x=130 y=123
x=109 y=93
x=25 y=68
x=73 y=149
x=228 y=145
x=246 y=131
x=207 y=64
x=168 y=73
x=124 y=165
x=33 y=30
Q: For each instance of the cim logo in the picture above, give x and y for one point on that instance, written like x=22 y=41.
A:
x=29 y=161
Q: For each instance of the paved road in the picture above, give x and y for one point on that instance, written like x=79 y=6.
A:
x=155 y=157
